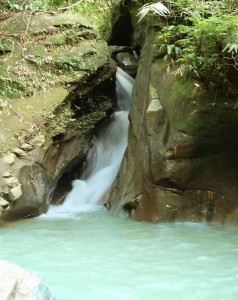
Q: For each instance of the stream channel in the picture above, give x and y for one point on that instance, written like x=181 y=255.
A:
x=85 y=253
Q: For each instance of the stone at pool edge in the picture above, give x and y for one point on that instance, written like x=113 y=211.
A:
x=18 y=284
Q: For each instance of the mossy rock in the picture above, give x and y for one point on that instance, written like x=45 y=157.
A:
x=50 y=65
x=43 y=55
x=41 y=50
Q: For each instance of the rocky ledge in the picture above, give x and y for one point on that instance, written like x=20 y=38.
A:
x=56 y=80
x=181 y=162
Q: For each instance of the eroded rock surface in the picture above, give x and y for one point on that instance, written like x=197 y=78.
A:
x=56 y=79
x=181 y=163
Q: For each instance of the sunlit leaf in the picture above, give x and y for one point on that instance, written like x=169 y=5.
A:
x=156 y=8
x=231 y=47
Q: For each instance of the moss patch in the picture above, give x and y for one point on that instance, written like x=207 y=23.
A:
x=99 y=13
x=44 y=50
x=22 y=119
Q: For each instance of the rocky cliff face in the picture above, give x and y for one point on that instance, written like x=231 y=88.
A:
x=181 y=162
x=56 y=82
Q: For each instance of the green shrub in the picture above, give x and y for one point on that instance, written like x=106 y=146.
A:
x=201 y=37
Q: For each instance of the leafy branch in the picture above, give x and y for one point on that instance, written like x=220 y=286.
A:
x=201 y=38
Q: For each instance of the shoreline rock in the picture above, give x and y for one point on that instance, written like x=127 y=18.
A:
x=18 y=284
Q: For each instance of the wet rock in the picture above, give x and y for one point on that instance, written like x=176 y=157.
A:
x=35 y=188
x=18 y=284
x=19 y=152
x=114 y=50
x=127 y=62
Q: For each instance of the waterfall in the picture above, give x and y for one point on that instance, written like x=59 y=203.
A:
x=124 y=84
x=104 y=158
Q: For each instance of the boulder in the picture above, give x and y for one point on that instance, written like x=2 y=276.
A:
x=114 y=50
x=127 y=62
x=125 y=57
x=18 y=284
x=56 y=81
x=32 y=196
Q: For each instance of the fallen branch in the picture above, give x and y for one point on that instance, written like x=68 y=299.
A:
x=24 y=39
x=70 y=6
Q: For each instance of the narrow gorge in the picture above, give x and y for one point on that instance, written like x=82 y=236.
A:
x=118 y=168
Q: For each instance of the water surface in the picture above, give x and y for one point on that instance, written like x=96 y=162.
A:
x=99 y=256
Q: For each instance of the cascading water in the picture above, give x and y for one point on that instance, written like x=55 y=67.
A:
x=96 y=255
x=124 y=84
x=104 y=159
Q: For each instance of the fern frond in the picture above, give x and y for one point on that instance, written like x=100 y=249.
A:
x=230 y=47
x=157 y=8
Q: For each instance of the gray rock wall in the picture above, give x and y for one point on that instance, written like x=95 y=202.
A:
x=181 y=163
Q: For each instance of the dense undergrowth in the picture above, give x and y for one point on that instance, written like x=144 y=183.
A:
x=201 y=38
x=98 y=12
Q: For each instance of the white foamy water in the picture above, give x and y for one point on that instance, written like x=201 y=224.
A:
x=124 y=83
x=104 y=159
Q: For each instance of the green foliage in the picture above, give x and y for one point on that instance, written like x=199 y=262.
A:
x=202 y=38
x=7 y=87
x=205 y=50
x=35 y=4
x=154 y=8
x=57 y=123
x=97 y=12
x=26 y=4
